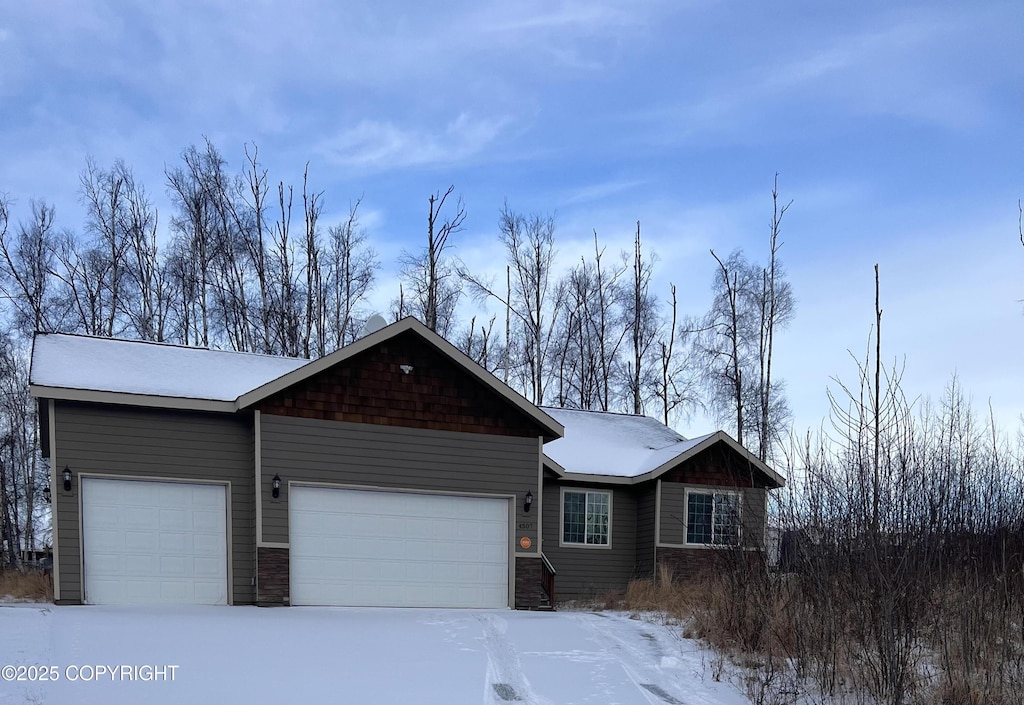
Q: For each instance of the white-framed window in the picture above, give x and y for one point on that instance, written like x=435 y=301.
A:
x=713 y=518
x=586 y=518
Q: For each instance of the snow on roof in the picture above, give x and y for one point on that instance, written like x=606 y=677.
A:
x=619 y=445
x=154 y=369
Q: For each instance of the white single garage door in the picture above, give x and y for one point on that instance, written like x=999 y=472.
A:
x=154 y=542
x=397 y=549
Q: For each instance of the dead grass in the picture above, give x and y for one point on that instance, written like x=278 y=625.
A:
x=26 y=585
x=664 y=595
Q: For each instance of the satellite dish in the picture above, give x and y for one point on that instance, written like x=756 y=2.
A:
x=373 y=324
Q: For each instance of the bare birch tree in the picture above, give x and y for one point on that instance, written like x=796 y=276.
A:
x=26 y=278
x=642 y=322
x=531 y=297
x=775 y=304
x=728 y=339
x=430 y=276
x=594 y=328
x=676 y=384
x=352 y=267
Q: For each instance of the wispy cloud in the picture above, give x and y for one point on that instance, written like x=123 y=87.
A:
x=925 y=66
x=599 y=191
x=534 y=17
x=383 y=145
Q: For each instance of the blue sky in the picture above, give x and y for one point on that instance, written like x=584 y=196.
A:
x=895 y=127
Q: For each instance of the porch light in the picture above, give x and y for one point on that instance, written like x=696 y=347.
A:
x=46 y=494
x=275 y=484
x=528 y=501
x=67 y=478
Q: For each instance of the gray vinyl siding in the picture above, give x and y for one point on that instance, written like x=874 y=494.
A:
x=645 y=518
x=341 y=453
x=673 y=506
x=583 y=573
x=755 y=516
x=127 y=442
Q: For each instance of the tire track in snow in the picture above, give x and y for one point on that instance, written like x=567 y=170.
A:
x=653 y=681
x=505 y=682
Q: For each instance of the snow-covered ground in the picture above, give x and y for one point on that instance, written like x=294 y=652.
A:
x=360 y=656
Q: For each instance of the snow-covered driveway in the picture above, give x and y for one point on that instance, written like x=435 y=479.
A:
x=359 y=656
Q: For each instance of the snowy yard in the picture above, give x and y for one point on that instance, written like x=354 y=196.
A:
x=360 y=656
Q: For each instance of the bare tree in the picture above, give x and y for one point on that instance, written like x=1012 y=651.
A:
x=594 y=328
x=147 y=296
x=430 y=275
x=640 y=311
x=252 y=187
x=751 y=304
x=351 y=270
x=676 y=384
x=194 y=245
x=285 y=299
x=531 y=297
x=727 y=342
x=106 y=195
x=315 y=332
x=26 y=278
x=775 y=304
x=22 y=476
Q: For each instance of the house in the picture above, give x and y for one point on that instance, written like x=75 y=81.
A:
x=625 y=494
x=392 y=472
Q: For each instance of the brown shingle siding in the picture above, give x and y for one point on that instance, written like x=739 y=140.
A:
x=717 y=466
x=371 y=388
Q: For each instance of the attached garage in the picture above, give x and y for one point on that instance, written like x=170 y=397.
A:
x=397 y=549
x=146 y=542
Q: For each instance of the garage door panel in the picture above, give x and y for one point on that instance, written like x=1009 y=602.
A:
x=133 y=565
x=361 y=548
x=154 y=542
x=207 y=545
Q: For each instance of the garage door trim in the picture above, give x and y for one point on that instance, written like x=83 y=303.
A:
x=511 y=498
x=85 y=475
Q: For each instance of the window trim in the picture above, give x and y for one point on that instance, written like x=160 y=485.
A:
x=561 y=518
x=712 y=491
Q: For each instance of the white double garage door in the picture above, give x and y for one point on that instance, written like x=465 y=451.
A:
x=167 y=542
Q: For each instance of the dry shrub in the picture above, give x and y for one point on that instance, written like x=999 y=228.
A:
x=26 y=585
x=977 y=640
x=611 y=600
x=663 y=595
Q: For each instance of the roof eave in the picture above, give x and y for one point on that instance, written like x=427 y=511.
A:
x=552 y=465
x=597 y=479
x=40 y=391
x=710 y=440
x=716 y=437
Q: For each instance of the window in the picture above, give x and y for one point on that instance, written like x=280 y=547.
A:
x=586 y=518
x=713 y=518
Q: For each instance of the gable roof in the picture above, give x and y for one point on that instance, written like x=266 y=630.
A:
x=553 y=429
x=108 y=370
x=85 y=368
x=627 y=448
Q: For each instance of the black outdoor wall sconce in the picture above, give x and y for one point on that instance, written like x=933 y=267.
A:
x=275 y=485
x=67 y=478
x=528 y=501
x=46 y=494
